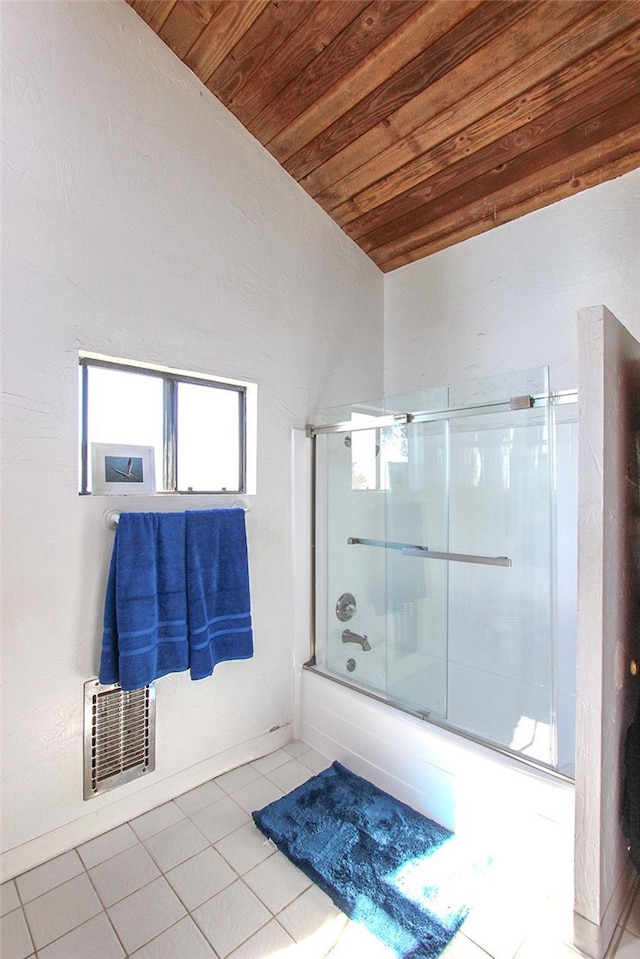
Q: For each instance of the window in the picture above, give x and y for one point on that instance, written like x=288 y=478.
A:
x=196 y=425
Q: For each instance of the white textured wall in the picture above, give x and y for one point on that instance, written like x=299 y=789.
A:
x=509 y=299
x=141 y=220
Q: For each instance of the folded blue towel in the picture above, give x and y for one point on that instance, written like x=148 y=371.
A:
x=145 y=616
x=218 y=597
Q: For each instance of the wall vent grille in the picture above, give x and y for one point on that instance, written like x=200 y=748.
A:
x=119 y=736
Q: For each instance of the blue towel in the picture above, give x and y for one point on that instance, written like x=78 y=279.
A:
x=145 y=632
x=177 y=596
x=218 y=597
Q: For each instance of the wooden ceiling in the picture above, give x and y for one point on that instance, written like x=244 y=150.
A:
x=416 y=125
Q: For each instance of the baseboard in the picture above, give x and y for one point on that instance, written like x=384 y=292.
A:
x=42 y=848
x=592 y=939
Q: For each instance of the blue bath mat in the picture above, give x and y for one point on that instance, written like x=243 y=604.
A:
x=399 y=874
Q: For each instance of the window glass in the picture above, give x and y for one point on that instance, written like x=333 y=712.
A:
x=208 y=430
x=125 y=408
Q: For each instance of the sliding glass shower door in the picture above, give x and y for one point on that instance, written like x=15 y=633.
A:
x=436 y=558
x=381 y=619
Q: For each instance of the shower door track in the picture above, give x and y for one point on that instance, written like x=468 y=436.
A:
x=558 y=398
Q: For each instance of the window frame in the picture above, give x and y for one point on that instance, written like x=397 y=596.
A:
x=170 y=378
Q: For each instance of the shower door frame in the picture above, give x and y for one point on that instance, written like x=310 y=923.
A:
x=522 y=402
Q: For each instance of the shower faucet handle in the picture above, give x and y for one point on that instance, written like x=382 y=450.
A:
x=346 y=607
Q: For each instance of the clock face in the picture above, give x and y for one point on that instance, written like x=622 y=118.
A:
x=123 y=469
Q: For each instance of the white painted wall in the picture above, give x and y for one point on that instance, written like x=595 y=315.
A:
x=141 y=220
x=509 y=299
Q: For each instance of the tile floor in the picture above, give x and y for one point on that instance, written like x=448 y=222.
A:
x=194 y=879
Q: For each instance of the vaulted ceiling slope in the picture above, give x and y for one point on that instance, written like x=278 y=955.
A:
x=416 y=125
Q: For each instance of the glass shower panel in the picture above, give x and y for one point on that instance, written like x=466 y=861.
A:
x=445 y=559
x=381 y=618
x=500 y=618
x=350 y=578
x=415 y=460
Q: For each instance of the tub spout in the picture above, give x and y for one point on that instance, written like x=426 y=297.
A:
x=350 y=637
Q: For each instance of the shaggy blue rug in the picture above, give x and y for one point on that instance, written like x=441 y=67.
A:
x=385 y=865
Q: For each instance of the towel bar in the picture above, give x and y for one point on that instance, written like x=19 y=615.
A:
x=111 y=517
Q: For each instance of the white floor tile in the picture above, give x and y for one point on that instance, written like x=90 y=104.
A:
x=314 y=761
x=220 y=818
x=61 y=909
x=355 y=940
x=629 y=947
x=276 y=882
x=314 y=919
x=107 y=845
x=462 y=948
x=271 y=942
x=8 y=897
x=200 y=878
x=175 y=844
x=198 y=798
x=156 y=820
x=504 y=915
x=257 y=794
x=290 y=775
x=296 y=748
x=182 y=941
x=118 y=877
x=499 y=932
x=146 y=913
x=266 y=763
x=235 y=918
x=94 y=938
x=49 y=875
x=15 y=942
x=541 y=944
x=236 y=778
x=232 y=916
x=633 y=921
x=245 y=848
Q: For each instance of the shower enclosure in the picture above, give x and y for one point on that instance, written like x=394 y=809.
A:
x=445 y=566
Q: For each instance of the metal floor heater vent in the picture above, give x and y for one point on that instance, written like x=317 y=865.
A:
x=119 y=736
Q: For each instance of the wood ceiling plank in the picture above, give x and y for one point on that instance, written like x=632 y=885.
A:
x=225 y=28
x=449 y=135
x=374 y=46
x=472 y=90
x=581 y=91
x=324 y=22
x=615 y=157
x=533 y=166
x=458 y=187
x=274 y=25
x=185 y=23
x=153 y=12
x=437 y=60
x=529 y=102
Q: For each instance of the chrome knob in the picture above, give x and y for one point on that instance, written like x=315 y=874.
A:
x=346 y=607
